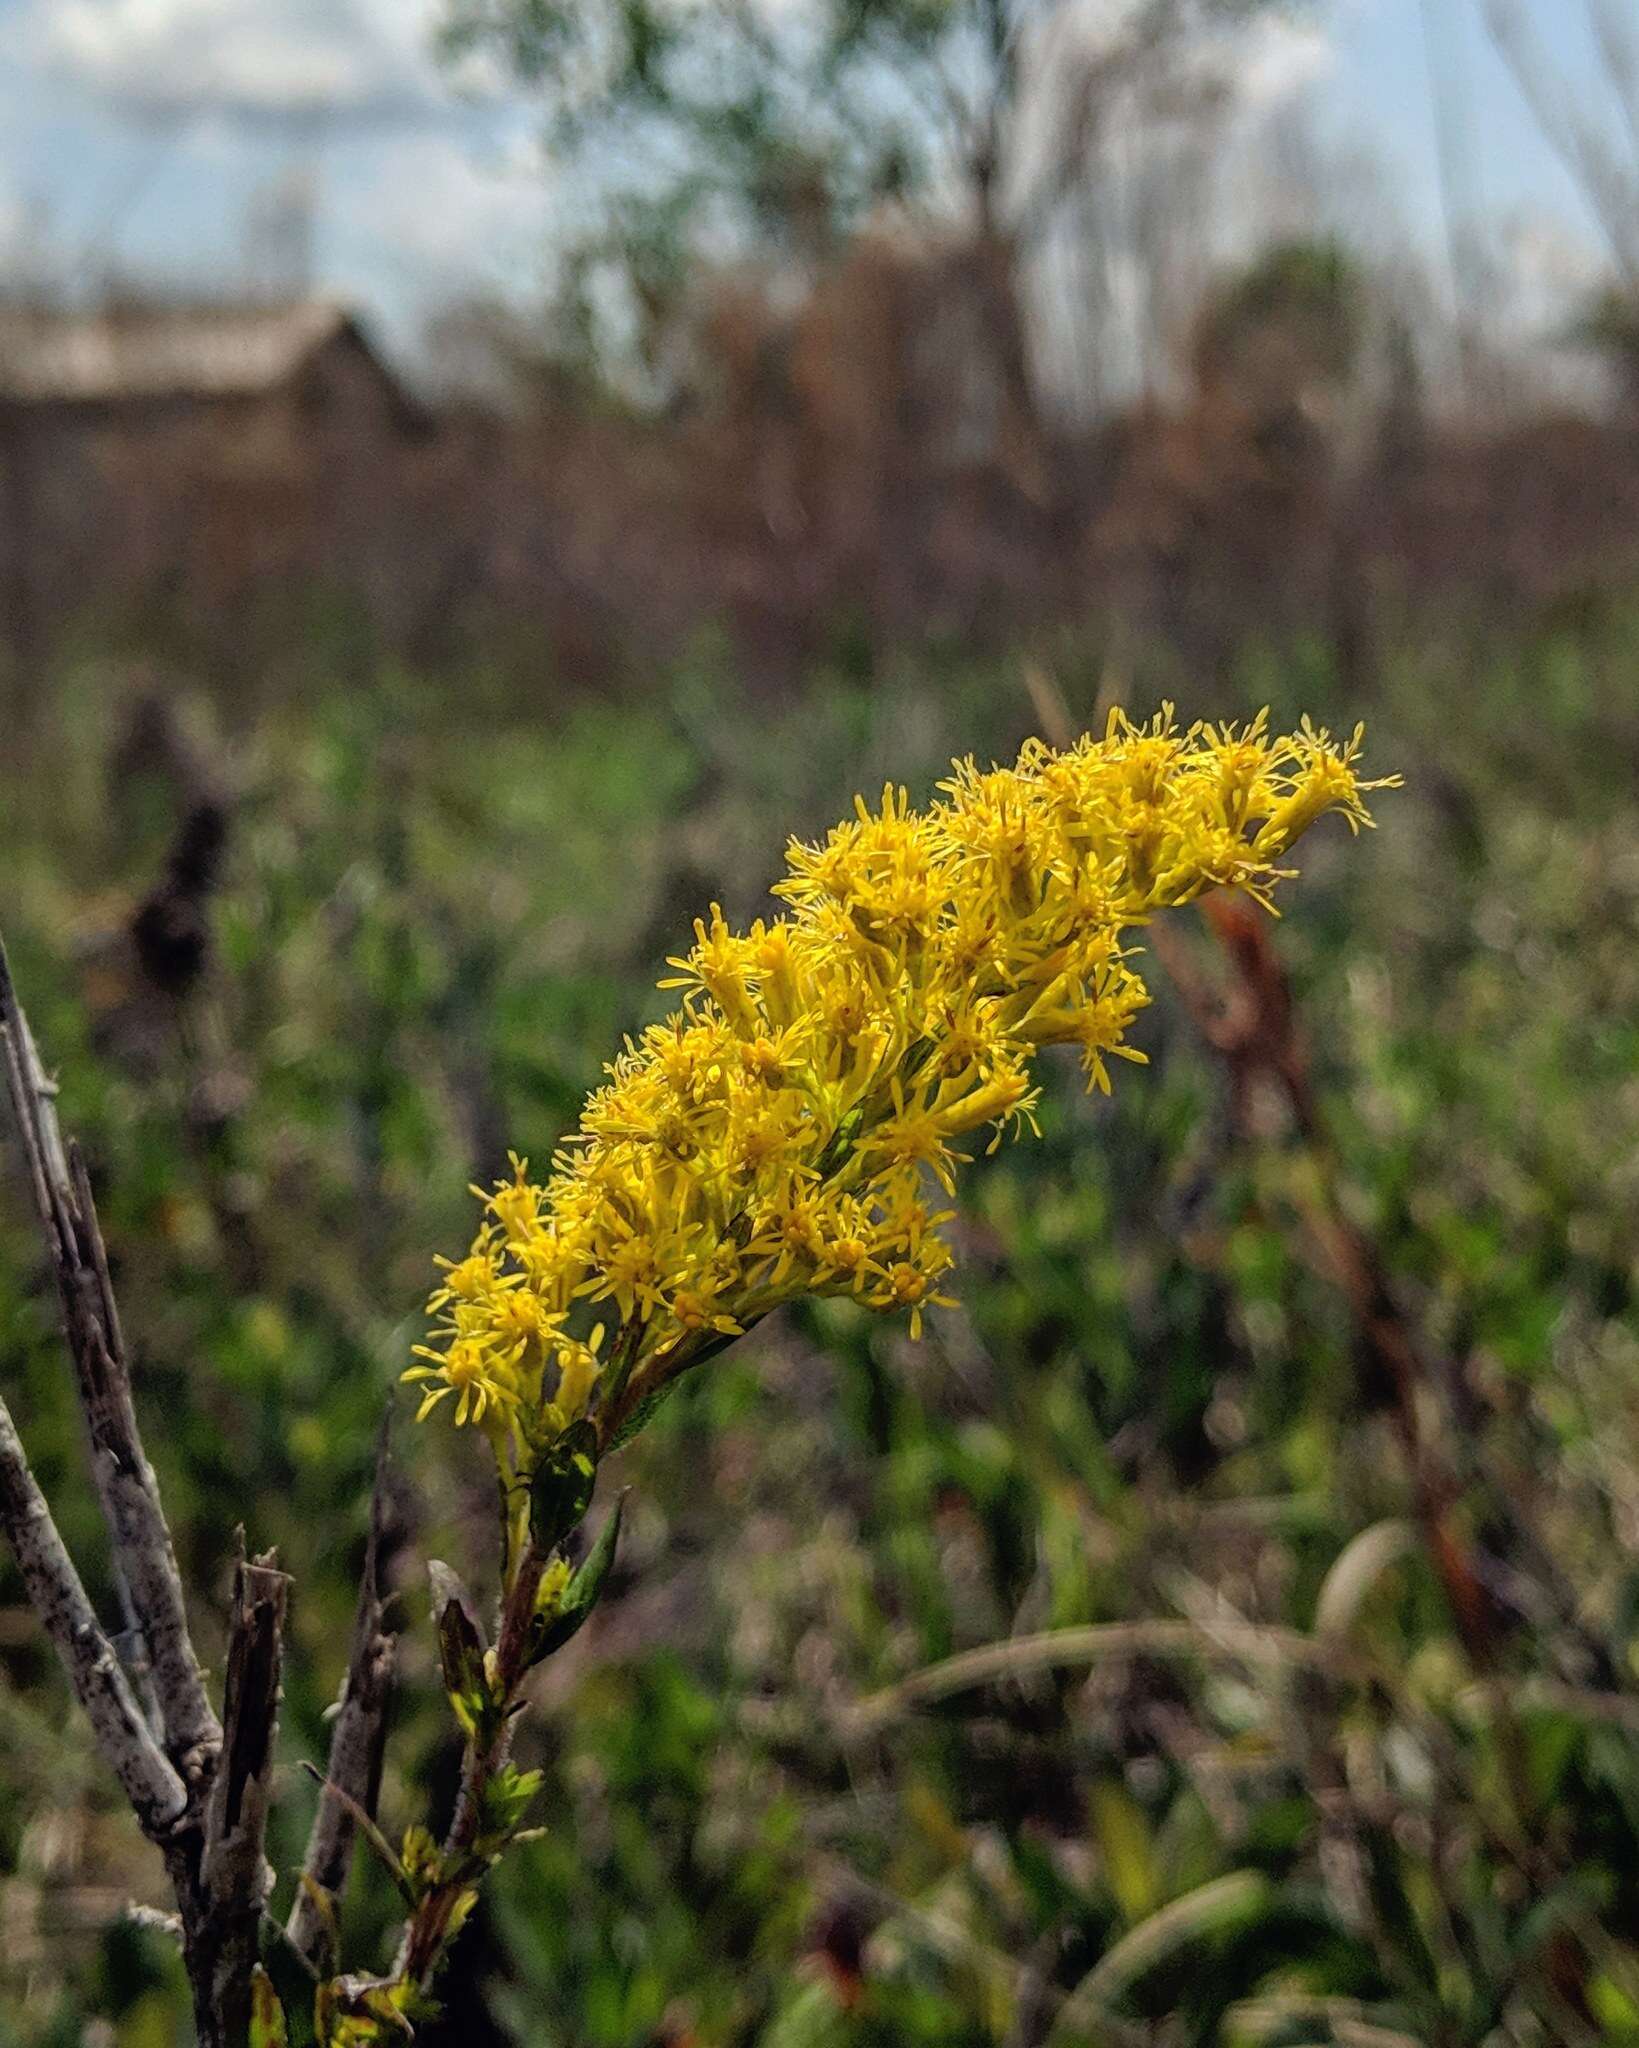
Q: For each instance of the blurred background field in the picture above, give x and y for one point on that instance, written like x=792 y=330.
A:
x=373 y=729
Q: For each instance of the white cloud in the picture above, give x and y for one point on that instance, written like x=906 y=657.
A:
x=429 y=201
x=415 y=221
x=1270 y=55
x=1279 y=57
x=1547 y=261
x=245 y=60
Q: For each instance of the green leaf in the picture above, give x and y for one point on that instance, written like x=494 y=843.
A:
x=460 y=1646
x=1613 y=2007
x=644 y=1412
x=651 y=1403
x=1224 y=1906
x=419 y=1861
x=507 y=1798
x=561 y=1490
x=1124 y=1837
x=267 y=2015
x=583 y=1592
x=1362 y=1562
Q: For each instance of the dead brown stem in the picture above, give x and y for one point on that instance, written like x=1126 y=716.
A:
x=234 y=1876
x=353 y=1781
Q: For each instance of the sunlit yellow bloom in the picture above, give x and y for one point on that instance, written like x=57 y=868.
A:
x=779 y=1134
x=578 y=1365
x=468 y=1369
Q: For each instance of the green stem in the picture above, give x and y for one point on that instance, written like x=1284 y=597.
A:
x=426 y=1930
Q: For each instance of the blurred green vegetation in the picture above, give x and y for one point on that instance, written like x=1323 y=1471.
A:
x=1291 y=1807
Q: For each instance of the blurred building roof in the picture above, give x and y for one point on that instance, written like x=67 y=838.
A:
x=126 y=353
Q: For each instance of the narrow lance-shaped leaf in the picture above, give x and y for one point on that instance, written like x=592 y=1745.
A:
x=460 y=1645
x=267 y=2015
x=584 y=1590
x=561 y=1490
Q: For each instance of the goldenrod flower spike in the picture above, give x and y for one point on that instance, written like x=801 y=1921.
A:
x=781 y=1134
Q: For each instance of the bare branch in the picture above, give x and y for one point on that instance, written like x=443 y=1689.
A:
x=1608 y=185
x=1619 y=49
x=154 y=1789
x=1089 y=90
x=203 y=1799
x=140 y=1540
x=235 y=1875
x=353 y=1782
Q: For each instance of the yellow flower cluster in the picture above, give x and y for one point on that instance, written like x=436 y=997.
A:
x=785 y=1132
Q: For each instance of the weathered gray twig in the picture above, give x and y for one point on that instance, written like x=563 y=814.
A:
x=203 y=1804
x=156 y=1792
x=235 y=1875
x=139 y=1538
x=352 y=1784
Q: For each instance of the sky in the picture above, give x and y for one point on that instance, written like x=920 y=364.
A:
x=139 y=136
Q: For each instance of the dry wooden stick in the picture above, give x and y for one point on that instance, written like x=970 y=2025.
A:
x=203 y=1804
x=234 y=1873
x=157 y=1794
x=139 y=1538
x=352 y=1783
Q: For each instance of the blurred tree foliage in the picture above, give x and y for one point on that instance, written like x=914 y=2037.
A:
x=1264 y=1794
x=736 y=127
